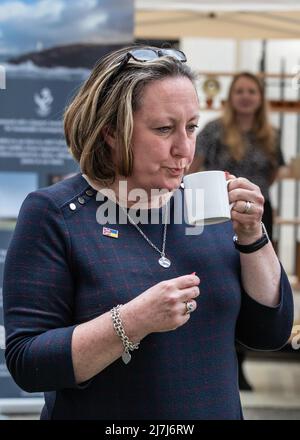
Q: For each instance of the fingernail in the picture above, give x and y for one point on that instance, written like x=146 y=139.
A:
x=194 y=273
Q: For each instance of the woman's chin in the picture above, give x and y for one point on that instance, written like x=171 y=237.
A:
x=169 y=183
x=173 y=183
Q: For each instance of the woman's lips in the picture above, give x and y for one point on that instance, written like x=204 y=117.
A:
x=176 y=171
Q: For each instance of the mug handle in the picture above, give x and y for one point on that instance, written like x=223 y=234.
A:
x=231 y=205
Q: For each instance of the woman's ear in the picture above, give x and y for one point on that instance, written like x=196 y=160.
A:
x=109 y=137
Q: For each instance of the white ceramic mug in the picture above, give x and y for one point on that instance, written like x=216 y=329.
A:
x=206 y=198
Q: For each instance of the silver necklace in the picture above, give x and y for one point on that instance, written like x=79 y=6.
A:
x=163 y=261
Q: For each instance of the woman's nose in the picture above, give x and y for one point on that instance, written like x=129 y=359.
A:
x=182 y=145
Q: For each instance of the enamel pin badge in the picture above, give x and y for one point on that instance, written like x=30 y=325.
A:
x=108 y=232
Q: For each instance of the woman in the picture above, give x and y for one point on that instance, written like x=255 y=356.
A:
x=79 y=302
x=243 y=141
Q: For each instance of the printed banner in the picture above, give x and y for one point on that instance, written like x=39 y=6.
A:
x=47 y=48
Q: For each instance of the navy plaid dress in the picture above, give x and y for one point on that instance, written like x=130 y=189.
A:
x=61 y=271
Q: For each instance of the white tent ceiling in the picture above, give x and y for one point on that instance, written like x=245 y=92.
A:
x=174 y=19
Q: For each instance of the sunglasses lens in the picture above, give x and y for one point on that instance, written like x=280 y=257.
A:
x=143 y=54
x=177 y=54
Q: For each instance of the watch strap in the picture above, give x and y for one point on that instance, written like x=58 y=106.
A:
x=253 y=247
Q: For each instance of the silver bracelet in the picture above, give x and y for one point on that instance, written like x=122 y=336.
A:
x=119 y=329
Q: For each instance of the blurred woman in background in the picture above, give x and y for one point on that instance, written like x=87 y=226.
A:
x=244 y=143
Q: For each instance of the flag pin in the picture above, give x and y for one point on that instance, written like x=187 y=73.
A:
x=108 y=232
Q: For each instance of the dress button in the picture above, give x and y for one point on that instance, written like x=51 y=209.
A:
x=81 y=200
x=89 y=192
x=72 y=206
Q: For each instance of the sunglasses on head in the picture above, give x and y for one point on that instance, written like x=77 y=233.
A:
x=144 y=55
x=149 y=54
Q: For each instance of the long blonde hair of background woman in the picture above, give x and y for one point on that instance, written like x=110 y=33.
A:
x=263 y=131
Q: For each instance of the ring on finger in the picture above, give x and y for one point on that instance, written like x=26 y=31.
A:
x=189 y=307
x=248 y=206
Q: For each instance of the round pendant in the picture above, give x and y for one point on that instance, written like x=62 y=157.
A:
x=164 y=262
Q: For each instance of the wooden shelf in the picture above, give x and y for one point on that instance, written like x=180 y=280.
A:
x=259 y=74
x=285 y=106
x=286 y=221
x=296 y=285
x=275 y=106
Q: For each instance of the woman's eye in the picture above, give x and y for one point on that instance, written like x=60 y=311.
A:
x=192 y=127
x=163 y=129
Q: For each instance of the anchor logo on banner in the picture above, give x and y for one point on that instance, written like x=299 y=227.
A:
x=43 y=100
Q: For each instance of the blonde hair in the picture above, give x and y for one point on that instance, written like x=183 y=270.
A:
x=265 y=134
x=106 y=104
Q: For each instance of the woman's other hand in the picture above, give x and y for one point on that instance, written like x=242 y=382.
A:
x=247 y=211
x=163 y=307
